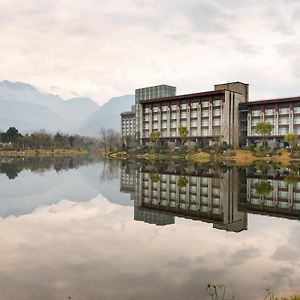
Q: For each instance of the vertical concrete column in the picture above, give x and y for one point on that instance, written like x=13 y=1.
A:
x=168 y=121
x=248 y=190
x=158 y=191
x=199 y=118
x=249 y=123
x=177 y=118
x=159 y=119
x=210 y=115
x=150 y=190
x=198 y=192
x=168 y=189
x=276 y=192
x=276 y=122
x=188 y=117
x=290 y=195
x=177 y=192
x=291 y=119
x=209 y=195
x=150 y=120
x=187 y=195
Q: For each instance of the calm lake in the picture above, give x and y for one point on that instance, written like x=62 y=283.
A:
x=97 y=229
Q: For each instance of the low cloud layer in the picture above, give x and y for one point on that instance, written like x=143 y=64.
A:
x=102 y=49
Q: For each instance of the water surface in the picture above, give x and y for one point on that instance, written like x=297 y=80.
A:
x=96 y=229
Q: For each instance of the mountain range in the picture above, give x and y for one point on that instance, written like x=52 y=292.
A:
x=26 y=108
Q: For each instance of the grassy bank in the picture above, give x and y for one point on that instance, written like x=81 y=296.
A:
x=43 y=153
x=239 y=157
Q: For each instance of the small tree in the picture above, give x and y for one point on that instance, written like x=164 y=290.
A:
x=264 y=129
x=183 y=132
x=263 y=188
x=292 y=139
x=155 y=136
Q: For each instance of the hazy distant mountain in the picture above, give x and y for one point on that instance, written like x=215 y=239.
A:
x=29 y=117
x=22 y=103
x=76 y=110
x=23 y=106
x=108 y=116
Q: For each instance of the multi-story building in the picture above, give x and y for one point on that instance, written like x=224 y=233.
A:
x=128 y=126
x=149 y=93
x=283 y=114
x=222 y=115
x=270 y=195
x=208 y=116
x=211 y=197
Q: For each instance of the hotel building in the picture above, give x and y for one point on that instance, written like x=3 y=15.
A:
x=280 y=200
x=211 y=197
x=222 y=115
x=211 y=116
x=128 y=126
x=283 y=114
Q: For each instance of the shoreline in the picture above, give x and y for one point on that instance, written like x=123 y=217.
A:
x=240 y=158
x=43 y=153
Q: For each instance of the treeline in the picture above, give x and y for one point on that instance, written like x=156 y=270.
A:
x=13 y=139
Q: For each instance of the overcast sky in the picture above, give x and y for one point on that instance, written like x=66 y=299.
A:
x=106 y=48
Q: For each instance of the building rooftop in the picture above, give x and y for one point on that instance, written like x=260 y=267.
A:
x=186 y=96
x=274 y=101
x=128 y=113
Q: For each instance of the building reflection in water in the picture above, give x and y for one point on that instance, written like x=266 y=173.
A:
x=270 y=191
x=221 y=196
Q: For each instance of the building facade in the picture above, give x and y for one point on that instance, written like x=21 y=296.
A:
x=211 y=197
x=128 y=126
x=208 y=116
x=150 y=93
x=283 y=114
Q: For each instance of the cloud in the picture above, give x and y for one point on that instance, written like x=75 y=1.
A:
x=102 y=49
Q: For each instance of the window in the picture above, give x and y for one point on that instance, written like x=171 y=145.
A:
x=164 y=108
x=183 y=123
x=204 y=104
x=183 y=115
x=254 y=122
x=155 y=125
x=269 y=112
x=270 y=120
x=216 y=122
x=204 y=131
x=174 y=107
x=255 y=113
x=183 y=106
x=217 y=103
x=284 y=110
x=173 y=125
x=297 y=120
x=194 y=114
x=283 y=131
x=204 y=123
x=164 y=124
x=146 y=118
x=194 y=132
x=297 y=130
x=146 y=110
x=194 y=123
x=283 y=121
x=194 y=104
x=204 y=113
x=217 y=112
x=297 y=109
x=164 y=116
x=173 y=116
